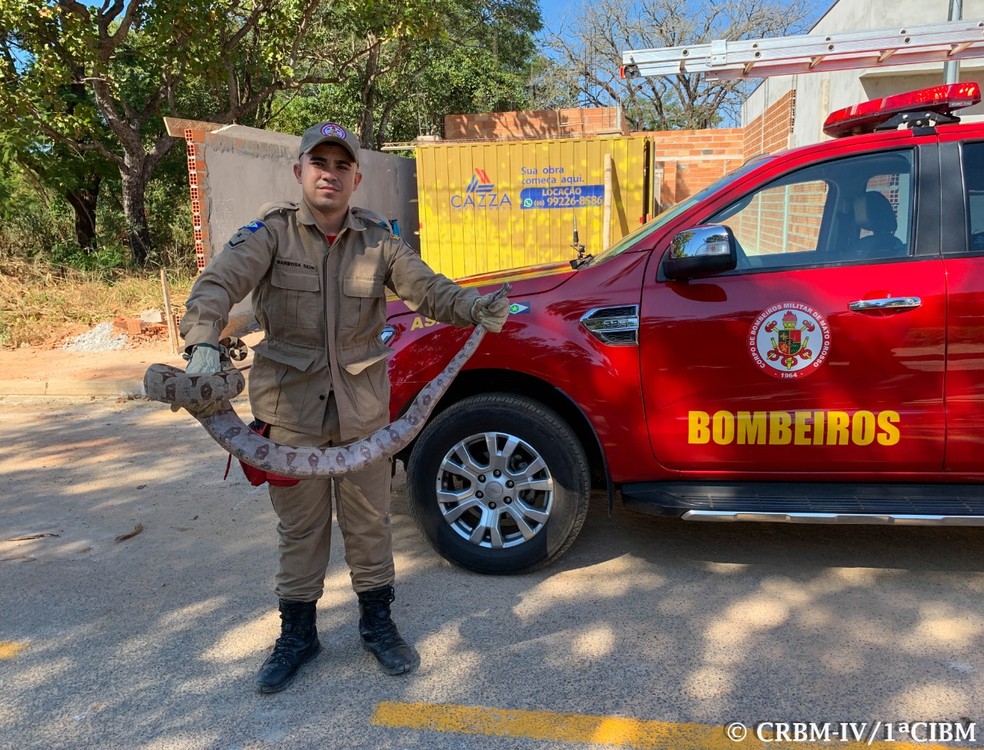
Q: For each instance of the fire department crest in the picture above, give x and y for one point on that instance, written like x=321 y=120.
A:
x=789 y=340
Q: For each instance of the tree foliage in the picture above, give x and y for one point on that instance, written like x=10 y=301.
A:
x=586 y=54
x=99 y=79
x=96 y=81
x=420 y=61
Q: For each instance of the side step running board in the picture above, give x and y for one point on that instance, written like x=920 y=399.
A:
x=833 y=518
x=831 y=503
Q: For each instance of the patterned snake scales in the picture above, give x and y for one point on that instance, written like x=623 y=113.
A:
x=173 y=386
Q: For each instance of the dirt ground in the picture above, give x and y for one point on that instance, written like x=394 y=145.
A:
x=57 y=372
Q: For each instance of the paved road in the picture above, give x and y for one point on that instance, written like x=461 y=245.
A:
x=648 y=633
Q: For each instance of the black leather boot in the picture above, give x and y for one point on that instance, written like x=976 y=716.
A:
x=379 y=634
x=298 y=644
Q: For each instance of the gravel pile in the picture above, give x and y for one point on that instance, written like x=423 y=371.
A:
x=102 y=338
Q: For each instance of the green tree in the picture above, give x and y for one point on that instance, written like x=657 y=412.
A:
x=98 y=80
x=485 y=69
x=54 y=166
x=139 y=61
x=420 y=61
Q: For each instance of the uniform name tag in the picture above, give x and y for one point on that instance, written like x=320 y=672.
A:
x=294 y=264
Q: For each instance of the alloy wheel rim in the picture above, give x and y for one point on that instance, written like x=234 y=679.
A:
x=495 y=490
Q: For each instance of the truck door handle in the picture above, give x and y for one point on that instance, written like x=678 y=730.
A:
x=887 y=303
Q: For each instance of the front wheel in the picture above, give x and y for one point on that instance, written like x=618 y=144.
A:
x=499 y=484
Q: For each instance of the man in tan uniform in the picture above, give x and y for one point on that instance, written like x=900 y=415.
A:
x=319 y=271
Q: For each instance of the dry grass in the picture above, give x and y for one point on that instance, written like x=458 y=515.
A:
x=41 y=306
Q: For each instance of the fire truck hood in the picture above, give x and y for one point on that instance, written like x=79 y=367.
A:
x=524 y=281
x=527 y=280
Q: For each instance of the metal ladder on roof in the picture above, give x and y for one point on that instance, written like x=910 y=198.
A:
x=791 y=55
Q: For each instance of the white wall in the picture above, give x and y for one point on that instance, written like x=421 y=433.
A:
x=248 y=167
x=819 y=94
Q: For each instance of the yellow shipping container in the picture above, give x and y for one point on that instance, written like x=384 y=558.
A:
x=494 y=205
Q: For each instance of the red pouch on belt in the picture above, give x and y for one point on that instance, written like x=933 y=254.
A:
x=255 y=476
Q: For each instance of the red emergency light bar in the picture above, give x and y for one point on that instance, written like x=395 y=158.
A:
x=867 y=116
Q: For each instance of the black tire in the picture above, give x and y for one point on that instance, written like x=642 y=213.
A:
x=485 y=528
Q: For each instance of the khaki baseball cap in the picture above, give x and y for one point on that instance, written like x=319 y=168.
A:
x=329 y=132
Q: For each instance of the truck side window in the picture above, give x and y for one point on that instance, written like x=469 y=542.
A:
x=879 y=218
x=781 y=224
x=973 y=169
x=847 y=210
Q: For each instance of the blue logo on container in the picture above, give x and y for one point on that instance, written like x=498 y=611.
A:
x=480 y=183
x=480 y=193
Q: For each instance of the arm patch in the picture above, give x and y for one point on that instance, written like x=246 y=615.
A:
x=244 y=233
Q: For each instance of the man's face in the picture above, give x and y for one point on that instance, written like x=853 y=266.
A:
x=328 y=176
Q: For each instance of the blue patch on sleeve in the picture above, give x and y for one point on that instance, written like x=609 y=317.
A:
x=244 y=233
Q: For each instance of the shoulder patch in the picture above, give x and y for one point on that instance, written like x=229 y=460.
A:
x=245 y=233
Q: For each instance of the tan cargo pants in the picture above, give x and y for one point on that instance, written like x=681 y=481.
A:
x=305 y=511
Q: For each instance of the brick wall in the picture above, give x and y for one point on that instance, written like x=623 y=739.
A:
x=771 y=131
x=534 y=124
x=692 y=159
x=781 y=220
x=194 y=145
x=194 y=133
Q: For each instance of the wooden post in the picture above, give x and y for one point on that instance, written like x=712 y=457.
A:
x=657 y=190
x=606 y=222
x=172 y=330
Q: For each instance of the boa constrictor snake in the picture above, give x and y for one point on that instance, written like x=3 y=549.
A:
x=194 y=392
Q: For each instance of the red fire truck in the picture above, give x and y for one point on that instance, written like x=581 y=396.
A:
x=801 y=341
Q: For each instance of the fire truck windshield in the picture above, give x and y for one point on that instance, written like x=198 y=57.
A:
x=669 y=214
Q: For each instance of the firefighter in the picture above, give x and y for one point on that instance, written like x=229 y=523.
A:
x=319 y=270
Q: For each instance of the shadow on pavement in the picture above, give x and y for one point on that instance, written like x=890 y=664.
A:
x=153 y=640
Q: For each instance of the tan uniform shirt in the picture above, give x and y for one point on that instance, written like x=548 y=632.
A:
x=323 y=310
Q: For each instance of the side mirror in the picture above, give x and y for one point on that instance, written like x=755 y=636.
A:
x=701 y=251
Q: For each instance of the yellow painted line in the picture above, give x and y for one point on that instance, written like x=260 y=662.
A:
x=10 y=649
x=596 y=730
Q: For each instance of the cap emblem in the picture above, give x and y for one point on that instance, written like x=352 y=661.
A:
x=333 y=130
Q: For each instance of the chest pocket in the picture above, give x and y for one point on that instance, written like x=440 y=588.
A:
x=296 y=297
x=363 y=307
